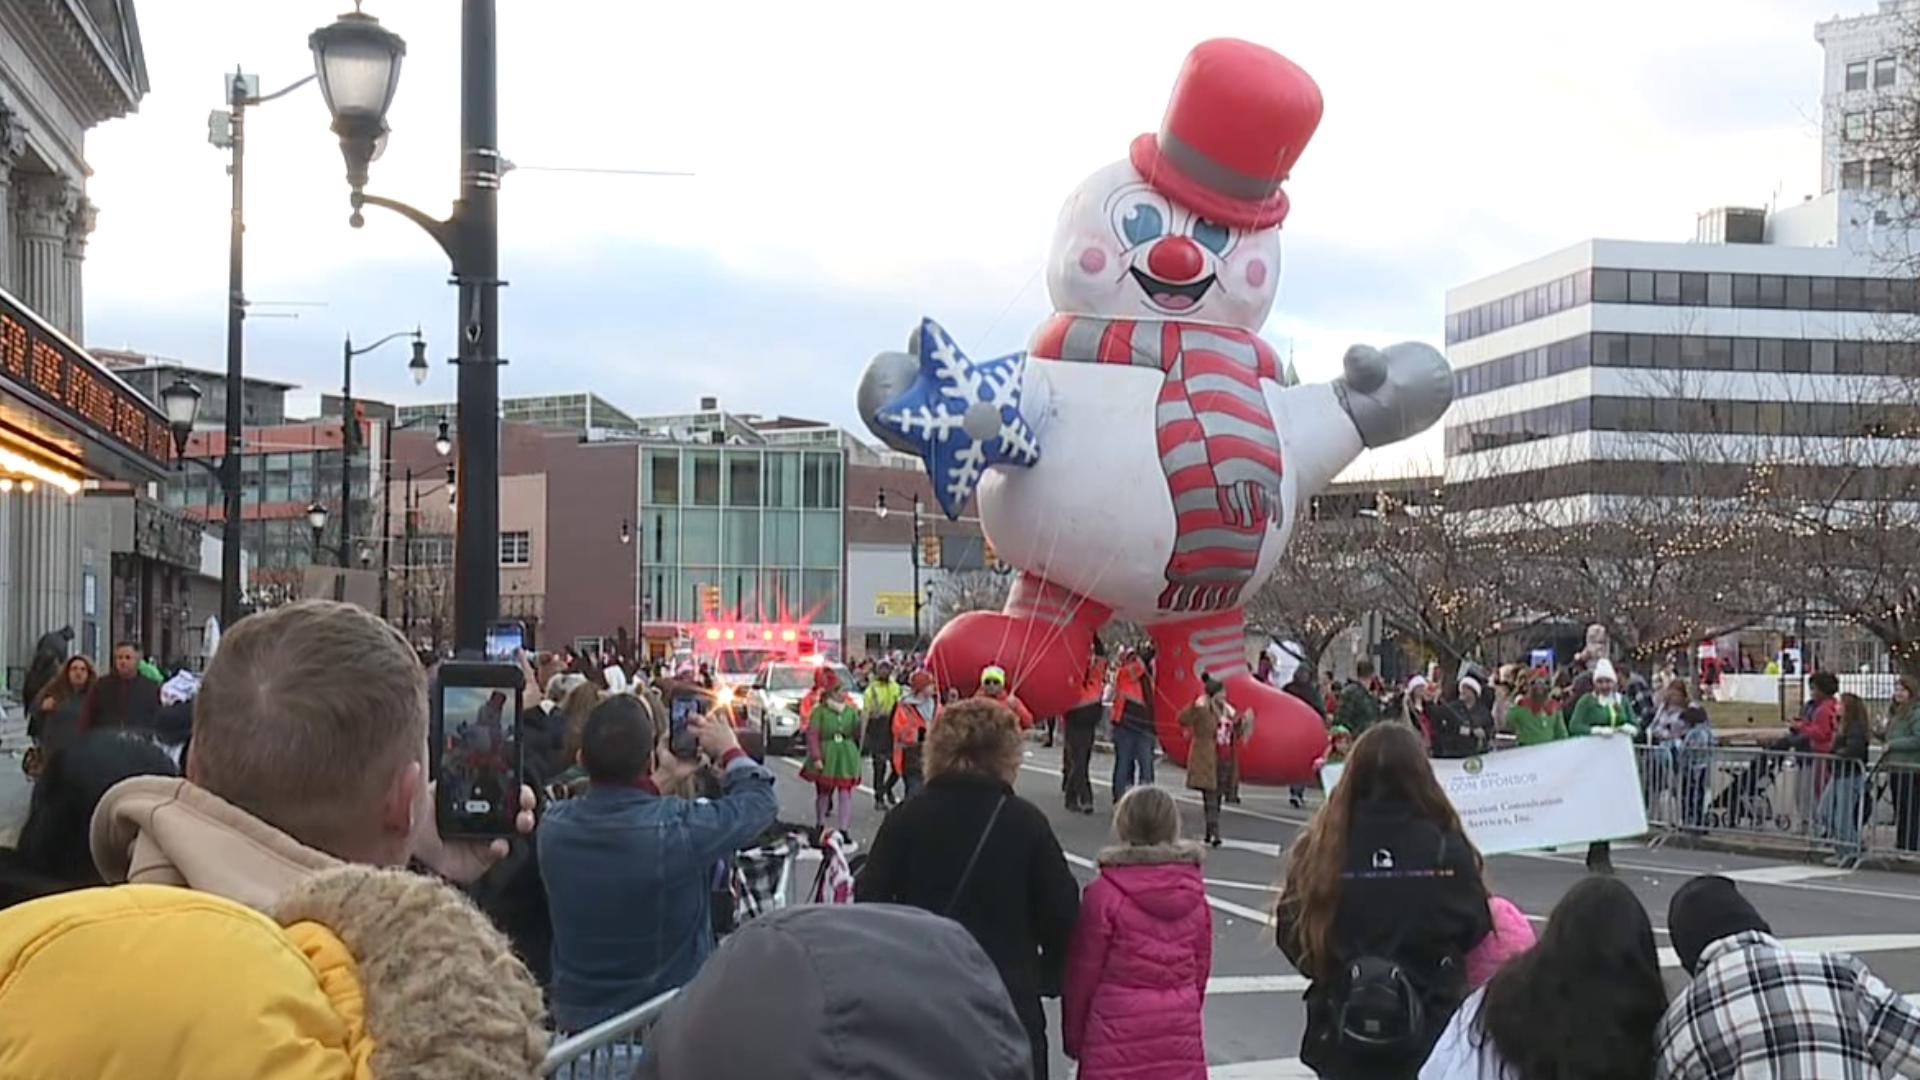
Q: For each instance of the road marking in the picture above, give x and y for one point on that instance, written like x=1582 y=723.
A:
x=1272 y=1069
x=1256 y=984
x=1783 y=875
x=1271 y=851
x=1254 y=886
x=1213 y=902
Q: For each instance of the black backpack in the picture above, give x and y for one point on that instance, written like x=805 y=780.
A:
x=1378 y=1012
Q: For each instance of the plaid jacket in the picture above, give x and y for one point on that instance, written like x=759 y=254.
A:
x=1758 y=1010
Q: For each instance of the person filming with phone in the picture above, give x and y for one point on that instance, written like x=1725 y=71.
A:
x=628 y=871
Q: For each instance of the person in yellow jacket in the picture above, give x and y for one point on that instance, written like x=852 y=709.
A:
x=357 y=974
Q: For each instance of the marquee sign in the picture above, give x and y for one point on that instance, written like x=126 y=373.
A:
x=75 y=389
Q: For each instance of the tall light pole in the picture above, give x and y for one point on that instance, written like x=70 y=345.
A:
x=442 y=445
x=880 y=511
x=350 y=427
x=227 y=129
x=358 y=63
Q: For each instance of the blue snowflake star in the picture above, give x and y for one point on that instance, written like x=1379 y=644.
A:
x=963 y=415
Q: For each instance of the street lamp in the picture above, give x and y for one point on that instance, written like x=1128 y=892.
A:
x=180 y=400
x=913 y=553
x=349 y=424
x=358 y=63
x=442 y=442
x=442 y=445
x=227 y=130
x=317 y=521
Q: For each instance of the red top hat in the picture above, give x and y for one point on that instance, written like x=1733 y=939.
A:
x=1239 y=118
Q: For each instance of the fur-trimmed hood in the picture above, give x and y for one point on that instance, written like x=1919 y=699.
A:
x=446 y=999
x=370 y=974
x=1180 y=851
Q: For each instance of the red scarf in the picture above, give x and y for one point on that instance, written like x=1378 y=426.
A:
x=1218 y=447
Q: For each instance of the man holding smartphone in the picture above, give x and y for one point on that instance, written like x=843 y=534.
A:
x=628 y=870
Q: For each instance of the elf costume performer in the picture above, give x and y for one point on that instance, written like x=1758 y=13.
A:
x=1147 y=457
x=833 y=750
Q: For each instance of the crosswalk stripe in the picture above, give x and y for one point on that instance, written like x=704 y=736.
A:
x=1783 y=875
x=1272 y=1069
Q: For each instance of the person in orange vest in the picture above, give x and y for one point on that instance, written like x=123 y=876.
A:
x=1133 y=738
x=912 y=716
x=1083 y=721
x=993 y=684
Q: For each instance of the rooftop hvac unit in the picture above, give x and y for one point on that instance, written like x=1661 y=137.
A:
x=1731 y=225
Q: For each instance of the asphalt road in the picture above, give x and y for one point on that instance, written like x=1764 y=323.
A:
x=1253 y=1011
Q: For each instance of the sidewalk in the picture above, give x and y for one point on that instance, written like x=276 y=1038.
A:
x=15 y=791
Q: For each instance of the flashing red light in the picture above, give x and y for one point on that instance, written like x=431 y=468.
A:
x=788 y=635
x=713 y=633
x=729 y=635
x=766 y=635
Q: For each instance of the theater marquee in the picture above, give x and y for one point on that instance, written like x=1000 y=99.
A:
x=85 y=409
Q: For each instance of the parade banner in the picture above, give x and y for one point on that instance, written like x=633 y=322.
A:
x=1573 y=791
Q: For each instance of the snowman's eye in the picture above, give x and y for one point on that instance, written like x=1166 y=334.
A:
x=1140 y=217
x=1211 y=235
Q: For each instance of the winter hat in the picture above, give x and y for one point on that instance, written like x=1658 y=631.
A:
x=1603 y=669
x=906 y=994
x=1418 y=682
x=1471 y=683
x=824 y=678
x=1211 y=685
x=1705 y=910
x=921 y=680
x=993 y=673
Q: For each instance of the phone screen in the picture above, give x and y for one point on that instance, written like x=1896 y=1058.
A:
x=684 y=709
x=503 y=640
x=477 y=760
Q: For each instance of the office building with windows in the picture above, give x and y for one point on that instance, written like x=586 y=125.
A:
x=1620 y=370
x=585 y=413
x=1865 y=97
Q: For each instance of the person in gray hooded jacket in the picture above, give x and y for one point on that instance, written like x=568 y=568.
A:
x=830 y=991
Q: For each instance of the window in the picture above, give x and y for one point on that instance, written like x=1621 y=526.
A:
x=1640 y=286
x=1772 y=290
x=1719 y=290
x=1746 y=290
x=1880 y=174
x=1883 y=72
x=1799 y=291
x=1853 y=175
x=1693 y=289
x=743 y=478
x=1886 y=124
x=1610 y=286
x=663 y=477
x=705 y=467
x=516 y=549
x=1856 y=127
x=1857 y=75
x=1666 y=287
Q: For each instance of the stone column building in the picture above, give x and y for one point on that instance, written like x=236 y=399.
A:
x=66 y=66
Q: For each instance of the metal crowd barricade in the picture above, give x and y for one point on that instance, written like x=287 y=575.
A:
x=609 y=1050
x=1816 y=802
x=1892 y=790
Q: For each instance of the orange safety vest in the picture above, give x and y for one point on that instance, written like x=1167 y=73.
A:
x=1129 y=684
x=908 y=729
x=1094 y=686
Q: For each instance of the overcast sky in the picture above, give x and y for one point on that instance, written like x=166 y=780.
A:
x=859 y=165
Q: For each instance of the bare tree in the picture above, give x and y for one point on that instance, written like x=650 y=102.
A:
x=962 y=591
x=1322 y=587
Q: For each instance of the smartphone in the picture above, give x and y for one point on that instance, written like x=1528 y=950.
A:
x=474 y=734
x=685 y=707
x=504 y=641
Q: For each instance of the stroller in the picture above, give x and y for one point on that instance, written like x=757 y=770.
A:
x=1746 y=799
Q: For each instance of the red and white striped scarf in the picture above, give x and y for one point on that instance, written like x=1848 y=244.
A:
x=1215 y=433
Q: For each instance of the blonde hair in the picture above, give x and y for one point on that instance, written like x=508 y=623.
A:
x=1146 y=817
x=978 y=736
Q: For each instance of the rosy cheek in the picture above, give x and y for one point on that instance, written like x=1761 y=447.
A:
x=1093 y=260
x=1257 y=272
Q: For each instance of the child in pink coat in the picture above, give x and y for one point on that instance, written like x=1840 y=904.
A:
x=1512 y=935
x=1142 y=949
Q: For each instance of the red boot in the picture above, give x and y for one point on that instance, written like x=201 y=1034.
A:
x=1287 y=736
x=1043 y=640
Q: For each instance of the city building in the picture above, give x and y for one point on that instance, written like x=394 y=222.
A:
x=164 y=580
x=601 y=536
x=264 y=402
x=885 y=563
x=584 y=414
x=65 y=419
x=1615 y=371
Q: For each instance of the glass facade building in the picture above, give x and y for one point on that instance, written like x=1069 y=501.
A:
x=749 y=533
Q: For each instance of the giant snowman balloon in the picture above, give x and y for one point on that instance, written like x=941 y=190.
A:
x=1146 y=457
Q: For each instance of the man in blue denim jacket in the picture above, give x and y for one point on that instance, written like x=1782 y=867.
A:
x=629 y=872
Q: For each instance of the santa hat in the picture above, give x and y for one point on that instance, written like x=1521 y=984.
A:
x=1470 y=683
x=1603 y=669
x=1238 y=119
x=1418 y=682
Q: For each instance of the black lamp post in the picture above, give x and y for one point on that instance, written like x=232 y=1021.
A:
x=317 y=521
x=227 y=130
x=350 y=428
x=358 y=63
x=180 y=400
x=880 y=511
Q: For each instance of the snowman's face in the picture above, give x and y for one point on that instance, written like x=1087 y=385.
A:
x=1123 y=250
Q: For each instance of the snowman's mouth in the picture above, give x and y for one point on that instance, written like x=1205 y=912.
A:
x=1167 y=296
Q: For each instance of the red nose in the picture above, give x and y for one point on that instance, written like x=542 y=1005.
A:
x=1176 y=259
